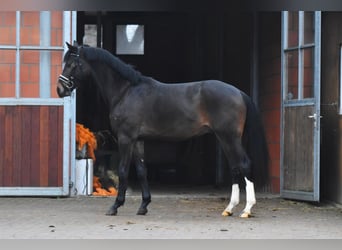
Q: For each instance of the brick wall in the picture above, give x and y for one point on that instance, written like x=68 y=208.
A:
x=270 y=89
x=30 y=35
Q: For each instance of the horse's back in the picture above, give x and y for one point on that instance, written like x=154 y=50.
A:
x=215 y=102
x=212 y=96
x=210 y=87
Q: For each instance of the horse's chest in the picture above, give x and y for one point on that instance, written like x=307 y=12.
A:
x=123 y=117
x=117 y=117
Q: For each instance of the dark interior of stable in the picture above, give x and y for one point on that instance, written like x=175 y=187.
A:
x=178 y=47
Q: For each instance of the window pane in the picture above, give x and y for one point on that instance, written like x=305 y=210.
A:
x=292 y=75
x=308 y=83
x=7 y=75
x=293 y=30
x=57 y=28
x=29 y=73
x=309 y=27
x=130 y=39
x=56 y=69
x=29 y=28
x=7 y=27
x=90 y=35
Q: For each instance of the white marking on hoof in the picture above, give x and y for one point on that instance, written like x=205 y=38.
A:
x=250 y=199
x=234 y=200
x=226 y=213
x=245 y=215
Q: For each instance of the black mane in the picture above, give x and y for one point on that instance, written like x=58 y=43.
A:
x=125 y=70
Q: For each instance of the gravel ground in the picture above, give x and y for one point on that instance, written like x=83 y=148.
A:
x=175 y=213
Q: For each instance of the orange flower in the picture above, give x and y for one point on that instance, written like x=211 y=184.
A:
x=84 y=136
x=99 y=191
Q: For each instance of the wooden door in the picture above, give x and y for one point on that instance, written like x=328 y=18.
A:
x=300 y=105
x=35 y=145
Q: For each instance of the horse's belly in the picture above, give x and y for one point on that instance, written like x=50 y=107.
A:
x=176 y=132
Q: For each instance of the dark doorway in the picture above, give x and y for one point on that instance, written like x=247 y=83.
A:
x=178 y=47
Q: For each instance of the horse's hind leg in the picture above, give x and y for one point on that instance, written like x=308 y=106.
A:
x=250 y=199
x=142 y=176
x=240 y=166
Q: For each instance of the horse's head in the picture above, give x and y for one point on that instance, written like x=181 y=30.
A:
x=74 y=72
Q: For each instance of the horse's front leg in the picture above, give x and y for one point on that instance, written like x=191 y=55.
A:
x=142 y=176
x=126 y=149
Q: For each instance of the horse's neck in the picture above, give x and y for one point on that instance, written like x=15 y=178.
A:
x=111 y=86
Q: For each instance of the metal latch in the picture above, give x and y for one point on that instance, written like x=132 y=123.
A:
x=314 y=116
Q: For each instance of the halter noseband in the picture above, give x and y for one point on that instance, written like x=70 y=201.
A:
x=66 y=82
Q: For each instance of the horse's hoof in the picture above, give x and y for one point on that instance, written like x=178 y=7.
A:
x=142 y=211
x=245 y=215
x=226 y=213
x=112 y=212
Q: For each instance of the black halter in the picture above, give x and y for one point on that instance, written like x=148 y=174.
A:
x=69 y=83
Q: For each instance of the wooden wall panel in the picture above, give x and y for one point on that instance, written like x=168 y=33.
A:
x=31 y=146
x=9 y=147
x=26 y=145
x=2 y=142
x=298 y=151
x=34 y=146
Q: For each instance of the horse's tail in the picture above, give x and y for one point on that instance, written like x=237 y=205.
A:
x=256 y=144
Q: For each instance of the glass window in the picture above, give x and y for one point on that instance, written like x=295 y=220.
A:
x=130 y=39
x=90 y=35
x=292 y=29
x=309 y=27
x=7 y=27
x=7 y=75
x=299 y=55
x=30 y=65
x=292 y=75
x=308 y=73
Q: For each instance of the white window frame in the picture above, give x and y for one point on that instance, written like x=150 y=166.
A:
x=45 y=24
x=69 y=103
x=300 y=49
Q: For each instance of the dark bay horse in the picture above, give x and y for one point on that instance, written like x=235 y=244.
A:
x=142 y=108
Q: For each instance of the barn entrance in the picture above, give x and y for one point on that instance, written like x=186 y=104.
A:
x=175 y=47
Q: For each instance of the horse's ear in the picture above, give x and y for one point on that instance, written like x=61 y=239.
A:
x=69 y=45
x=75 y=43
x=72 y=48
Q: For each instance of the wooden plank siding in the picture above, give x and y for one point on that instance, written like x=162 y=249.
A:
x=31 y=146
x=298 y=151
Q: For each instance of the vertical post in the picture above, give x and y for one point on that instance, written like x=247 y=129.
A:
x=17 y=65
x=45 y=57
x=69 y=27
x=317 y=84
x=301 y=55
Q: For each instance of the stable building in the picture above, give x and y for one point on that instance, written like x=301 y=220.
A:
x=289 y=62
